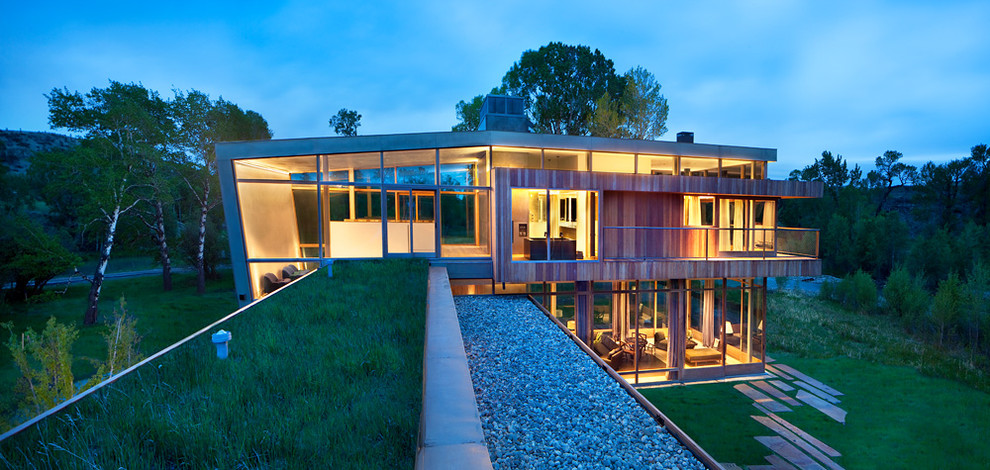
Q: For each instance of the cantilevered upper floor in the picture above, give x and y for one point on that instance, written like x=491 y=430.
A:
x=511 y=206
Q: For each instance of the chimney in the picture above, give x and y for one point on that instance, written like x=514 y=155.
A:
x=685 y=137
x=503 y=113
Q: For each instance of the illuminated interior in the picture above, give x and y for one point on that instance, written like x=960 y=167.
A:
x=554 y=225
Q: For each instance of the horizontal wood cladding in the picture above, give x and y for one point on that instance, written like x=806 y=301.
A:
x=589 y=180
x=642 y=209
x=656 y=269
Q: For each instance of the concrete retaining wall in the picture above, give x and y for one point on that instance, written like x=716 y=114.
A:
x=450 y=433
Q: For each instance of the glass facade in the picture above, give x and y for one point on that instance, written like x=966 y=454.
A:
x=554 y=225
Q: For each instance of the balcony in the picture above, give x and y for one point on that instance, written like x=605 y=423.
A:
x=624 y=243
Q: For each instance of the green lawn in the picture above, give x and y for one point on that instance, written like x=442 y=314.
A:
x=325 y=374
x=163 y=318
x=898 y=416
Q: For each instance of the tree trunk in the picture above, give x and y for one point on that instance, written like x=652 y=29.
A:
x=200 y=268
x=160 y=234
x=101 y=268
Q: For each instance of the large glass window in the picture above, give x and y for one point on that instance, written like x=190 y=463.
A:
x=613 y=162
x=554 y=224
x=512 y=157
x=464 y=223
x=410 y=167
x=464 y=166
x=657 y=165
x=353 y=167
x=565 y=160
x=352 y=222
x=699 y=211
x=691 y=166
x=299 y=168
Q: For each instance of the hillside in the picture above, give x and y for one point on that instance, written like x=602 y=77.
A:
x=17 y=147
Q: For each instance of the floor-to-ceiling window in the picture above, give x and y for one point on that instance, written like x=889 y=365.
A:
x=551 y=224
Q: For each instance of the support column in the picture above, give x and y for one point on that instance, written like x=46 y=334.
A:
x=676 y=325
x=583 y=301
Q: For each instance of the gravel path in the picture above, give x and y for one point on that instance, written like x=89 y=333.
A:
x=545 y=404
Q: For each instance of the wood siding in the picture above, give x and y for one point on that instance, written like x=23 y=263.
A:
x=623 y=197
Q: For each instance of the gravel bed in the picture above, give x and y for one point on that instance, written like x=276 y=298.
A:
x=545 y=404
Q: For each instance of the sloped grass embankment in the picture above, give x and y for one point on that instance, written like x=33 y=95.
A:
x=910 y=405
x=327 y=373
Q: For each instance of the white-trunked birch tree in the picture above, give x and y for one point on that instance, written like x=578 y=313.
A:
x=202 y=123
x=122 y=127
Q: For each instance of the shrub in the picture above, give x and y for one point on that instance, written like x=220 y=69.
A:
x=904 y=296
x=855 y=292
x=45 y=364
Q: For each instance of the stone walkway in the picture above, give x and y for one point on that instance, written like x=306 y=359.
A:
x=791 y=447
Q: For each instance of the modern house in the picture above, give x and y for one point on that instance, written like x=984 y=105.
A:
x=654 y=253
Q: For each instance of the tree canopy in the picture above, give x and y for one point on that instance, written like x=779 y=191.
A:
x=345 y=122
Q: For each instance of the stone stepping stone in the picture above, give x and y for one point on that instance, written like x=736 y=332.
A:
x=800 y=443
x=829 y=409
x=825 y=448
x=811 y=380
x=816 y=392
x=788 y=451
x=780 y=385
x=778 y=372
x=773 y=392
x=761 y=398
x=730 y=466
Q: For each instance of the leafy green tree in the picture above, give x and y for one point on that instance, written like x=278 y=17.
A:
x=607 y=120
x=643 y=106
x=977 y=183
x=469 y=113
x=889 y=169
x=560 y=84
x=939 y=190
x=123 y=127
x=947 y=305
x=45 y=363
x=201 y=124
x=30 y=257
x=345 y=122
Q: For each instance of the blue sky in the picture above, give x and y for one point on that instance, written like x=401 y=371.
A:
x=856 y=78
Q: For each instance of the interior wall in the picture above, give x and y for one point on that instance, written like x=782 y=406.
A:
x=268 y=220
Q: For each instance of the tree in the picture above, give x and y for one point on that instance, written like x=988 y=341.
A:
x=201 y=124
x=644 y=108
x=888 y=170
x=469 y=112
x=123 y=127
x=345 y=122
x=29 y=257
x=560 y=84
x=939 y=187
x=947 y=305
x=607 y=120
x=904 y=296
x=977 y=183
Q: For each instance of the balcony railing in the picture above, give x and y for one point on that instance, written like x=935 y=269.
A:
x=626 y=243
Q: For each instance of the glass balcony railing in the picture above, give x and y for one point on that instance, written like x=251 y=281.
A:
x=640 y=243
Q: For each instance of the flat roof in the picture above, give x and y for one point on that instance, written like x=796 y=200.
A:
x=390 y=142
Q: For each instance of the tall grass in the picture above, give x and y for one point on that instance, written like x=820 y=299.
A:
x=327 y=373
x=812 y=328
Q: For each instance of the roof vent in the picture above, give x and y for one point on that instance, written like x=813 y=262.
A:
x=685 y=137
x=503 y=113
